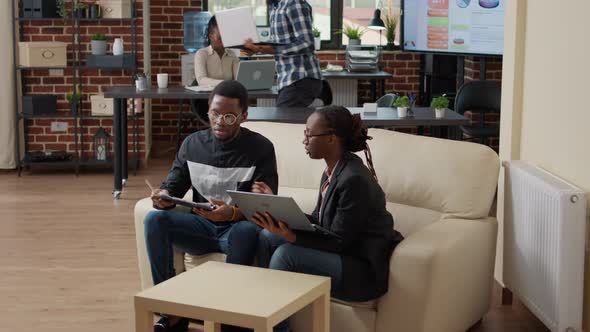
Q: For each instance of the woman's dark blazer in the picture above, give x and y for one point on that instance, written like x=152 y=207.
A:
x=354 y=209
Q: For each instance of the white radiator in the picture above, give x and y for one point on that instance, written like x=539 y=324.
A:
x=544 y=244
x=344 y=93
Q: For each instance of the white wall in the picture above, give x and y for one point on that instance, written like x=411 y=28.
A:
x=7 y=114
x=546 y=94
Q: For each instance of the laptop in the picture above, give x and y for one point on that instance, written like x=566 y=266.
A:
x=256 y=74
x=280 y=207
x=237 y=25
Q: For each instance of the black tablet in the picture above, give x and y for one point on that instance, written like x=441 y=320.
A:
x=179 y=201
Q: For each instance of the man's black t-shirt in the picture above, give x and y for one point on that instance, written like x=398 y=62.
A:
x=211 y=167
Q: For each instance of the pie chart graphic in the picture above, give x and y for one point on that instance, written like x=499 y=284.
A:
x=489 y=4
x=463 y=3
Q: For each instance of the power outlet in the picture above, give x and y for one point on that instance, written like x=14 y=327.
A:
x=56 y=72
x=59 y=126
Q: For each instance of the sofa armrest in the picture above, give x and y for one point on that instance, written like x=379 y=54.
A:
x=142 y=207
x=441 y=278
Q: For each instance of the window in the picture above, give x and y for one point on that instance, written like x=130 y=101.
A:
x=329 y=16
x=321 y=17
x=358 y=13
x=260 y=9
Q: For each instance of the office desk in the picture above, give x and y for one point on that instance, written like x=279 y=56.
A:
x=345 y=86
x=385 y=117
x=121 y=93
x=373 y=77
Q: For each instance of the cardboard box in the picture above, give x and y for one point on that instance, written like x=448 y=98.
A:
x=115 y=8
x=42 y=54
x=101 y=106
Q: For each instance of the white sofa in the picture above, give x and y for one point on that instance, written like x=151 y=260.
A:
x=439 y=192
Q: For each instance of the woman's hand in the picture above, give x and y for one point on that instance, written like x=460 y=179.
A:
x=277 y=227
x=222 y=211
x=260 y=187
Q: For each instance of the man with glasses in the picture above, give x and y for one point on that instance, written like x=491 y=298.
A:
x=225 y=156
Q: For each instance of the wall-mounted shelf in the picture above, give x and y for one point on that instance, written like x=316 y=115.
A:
x=75 y=64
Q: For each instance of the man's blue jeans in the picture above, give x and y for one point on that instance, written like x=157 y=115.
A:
x=195 y=235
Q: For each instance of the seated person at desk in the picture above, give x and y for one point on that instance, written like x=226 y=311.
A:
x=351 y=204
x=214 y=63
x=225 y=156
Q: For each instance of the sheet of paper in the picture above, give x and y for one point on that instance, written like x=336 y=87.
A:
x=236 y=25
x=200 y=88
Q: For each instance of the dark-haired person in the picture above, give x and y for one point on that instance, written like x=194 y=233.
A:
x=215 y=63
x=351 y=204
x=209 y=162
x=298 y=69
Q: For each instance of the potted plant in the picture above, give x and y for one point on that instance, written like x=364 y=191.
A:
x=402 y=104
x=439 y=104
x=140 y=80
x=98 y=44
x=390 y=26
x=79 y=8
x=74 y=99
x=353 y=33
x=317 y=41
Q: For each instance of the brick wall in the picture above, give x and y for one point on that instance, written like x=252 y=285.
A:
x=167 y=48
x=493 y=69
x=493 y=73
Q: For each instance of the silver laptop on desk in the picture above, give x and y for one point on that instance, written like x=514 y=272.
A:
x=256 y=74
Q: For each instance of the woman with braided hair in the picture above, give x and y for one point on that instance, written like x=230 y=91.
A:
x=351 y=206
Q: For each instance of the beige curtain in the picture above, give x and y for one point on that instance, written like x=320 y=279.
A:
x=7 y=86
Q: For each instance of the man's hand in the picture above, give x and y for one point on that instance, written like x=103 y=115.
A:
x=250 y=49
x=260 y=187
x=222 y=211
x=278 y=227
x=158 y=202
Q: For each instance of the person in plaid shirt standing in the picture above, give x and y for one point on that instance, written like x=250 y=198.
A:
x=299 y=74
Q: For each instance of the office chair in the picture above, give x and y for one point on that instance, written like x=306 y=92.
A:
x=325 y=98
x=479 y=97
x=386 y=100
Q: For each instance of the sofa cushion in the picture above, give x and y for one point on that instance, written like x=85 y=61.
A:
x=408 y=219
x=305 y=198
x=417 y=171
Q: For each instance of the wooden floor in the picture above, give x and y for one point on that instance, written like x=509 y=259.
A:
x=68 y=258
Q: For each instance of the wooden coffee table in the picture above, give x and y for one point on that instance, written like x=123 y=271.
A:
x=238 y=295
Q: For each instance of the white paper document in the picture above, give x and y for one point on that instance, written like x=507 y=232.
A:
x=200 y=88
x=236 y=25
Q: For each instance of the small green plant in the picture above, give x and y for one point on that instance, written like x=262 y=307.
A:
x=441 y=102
x=402 y=101
x=352 y=32
x=390 y=25
x=316 y=32
x=139 y=75
x=98 y=36
x=63 y=12
x=74 y=97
